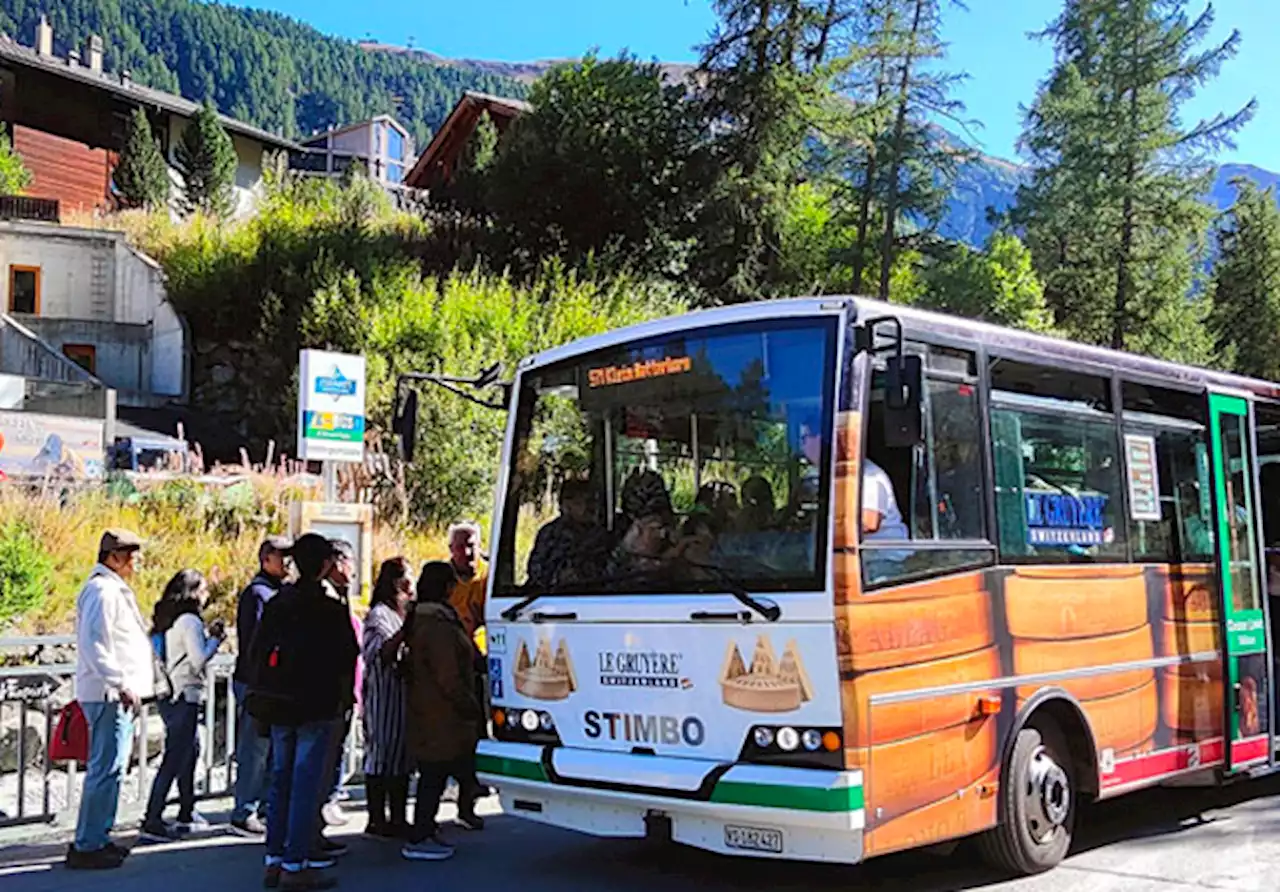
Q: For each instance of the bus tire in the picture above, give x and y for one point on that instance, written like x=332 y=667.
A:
x=1038 y=804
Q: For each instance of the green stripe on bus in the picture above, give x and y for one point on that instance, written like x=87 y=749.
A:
x=800 y=798
x=510 y=767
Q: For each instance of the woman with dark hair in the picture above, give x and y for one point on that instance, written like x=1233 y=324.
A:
x=444 y=712
x=386 y=755
x=178 y=634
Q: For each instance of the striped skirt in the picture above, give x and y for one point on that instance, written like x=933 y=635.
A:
x=386 y=749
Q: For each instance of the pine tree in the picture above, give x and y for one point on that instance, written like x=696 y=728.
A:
x=142 y=176
x=1113 y=213
x=207 y=159
x=14 y=176
x=1245 y=311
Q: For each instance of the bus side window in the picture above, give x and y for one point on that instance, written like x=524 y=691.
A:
x=1057 y=468
x=938 y=484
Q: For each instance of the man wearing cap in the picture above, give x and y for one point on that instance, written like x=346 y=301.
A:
x=113 y=676
x=253 y=750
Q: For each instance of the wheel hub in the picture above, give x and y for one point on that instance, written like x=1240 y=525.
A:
x=1048 y=795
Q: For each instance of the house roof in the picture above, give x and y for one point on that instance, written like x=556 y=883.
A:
x=438 y=159
x=14 y=54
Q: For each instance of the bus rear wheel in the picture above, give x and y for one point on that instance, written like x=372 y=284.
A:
x=1039 y=804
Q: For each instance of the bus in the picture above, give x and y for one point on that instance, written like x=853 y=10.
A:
x=825 y=579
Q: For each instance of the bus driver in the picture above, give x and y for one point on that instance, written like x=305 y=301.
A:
x=881 y=519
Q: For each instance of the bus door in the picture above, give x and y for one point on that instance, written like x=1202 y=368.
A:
x=1246 y=677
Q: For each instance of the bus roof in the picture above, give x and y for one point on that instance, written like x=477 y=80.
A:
x=929 y=326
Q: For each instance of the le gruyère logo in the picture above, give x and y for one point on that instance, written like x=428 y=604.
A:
x=767 y=684
x=642 y=669
x=546 y=676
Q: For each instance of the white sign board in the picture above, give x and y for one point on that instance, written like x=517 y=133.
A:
x=331 y=390
x=1144 y=482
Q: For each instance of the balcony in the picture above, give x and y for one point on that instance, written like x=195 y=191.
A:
x=23 y=207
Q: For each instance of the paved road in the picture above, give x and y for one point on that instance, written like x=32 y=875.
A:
x=1160 y=840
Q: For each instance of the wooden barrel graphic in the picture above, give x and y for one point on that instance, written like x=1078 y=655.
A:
x=1191 y=699
x=966 y=811
x=1051 y=603
x=909 y=774
x=1032 y=657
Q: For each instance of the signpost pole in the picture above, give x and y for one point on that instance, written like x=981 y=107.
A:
x=329 y=473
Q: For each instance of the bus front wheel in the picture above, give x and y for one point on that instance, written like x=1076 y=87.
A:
x=1038 y=804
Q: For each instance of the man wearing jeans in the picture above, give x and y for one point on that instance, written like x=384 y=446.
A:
x=113 y=675
x=299 y=672
x=253 y=749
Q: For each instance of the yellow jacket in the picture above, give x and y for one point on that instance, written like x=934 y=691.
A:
x=468 y=600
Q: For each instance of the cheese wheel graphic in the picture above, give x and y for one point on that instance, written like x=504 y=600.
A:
x=1191 y=698
x=912 y=773
x=877 y=633
x=974 y=809
x=1191 y=594
x=898 y=721
x=1032 y=657
x=1183 y=639
x=1123 y=721
x=848 y=435
x=1051 y=603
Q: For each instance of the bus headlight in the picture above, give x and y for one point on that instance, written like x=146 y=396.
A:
x=764 y=737
x=812 y=740
x=788 y=738
x=530 y=721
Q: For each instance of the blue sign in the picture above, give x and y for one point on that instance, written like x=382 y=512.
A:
x=1059 y=518
x=336 y=384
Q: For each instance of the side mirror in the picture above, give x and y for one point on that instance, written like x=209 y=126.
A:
x=405 y=424
x=903 y=415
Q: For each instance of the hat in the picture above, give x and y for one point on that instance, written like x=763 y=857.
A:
x=119 y=540
x=280 y=544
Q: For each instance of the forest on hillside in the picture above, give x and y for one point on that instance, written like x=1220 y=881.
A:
x=260 y=67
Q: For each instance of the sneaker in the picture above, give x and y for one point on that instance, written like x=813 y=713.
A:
x=376 y=830
x=104 y=858
x=319 y=861
x=250 y=828
x=197 y=824
x=305 y=880
x=332 y=847
x=158 y=831
x=471 y=821
x=120 y=850
x=430 y=849
x=271 y=876
x=333 y=814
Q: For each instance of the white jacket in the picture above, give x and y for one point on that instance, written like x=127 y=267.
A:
x=186 y=650
x=112 y=650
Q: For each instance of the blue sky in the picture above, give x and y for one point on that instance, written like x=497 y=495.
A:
x=989 y=42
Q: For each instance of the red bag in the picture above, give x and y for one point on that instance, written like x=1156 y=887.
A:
x=70 y=740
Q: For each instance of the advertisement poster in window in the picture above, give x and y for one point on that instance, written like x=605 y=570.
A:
x=1144 y=485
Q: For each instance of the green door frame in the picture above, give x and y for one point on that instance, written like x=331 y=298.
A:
x=1243 y=628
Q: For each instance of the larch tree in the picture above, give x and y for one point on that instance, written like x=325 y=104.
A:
x=142 y=176
x=207 y=159
x=1113 y=213
x=1244 y=315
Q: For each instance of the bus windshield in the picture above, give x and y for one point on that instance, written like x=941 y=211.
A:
x=676 y=464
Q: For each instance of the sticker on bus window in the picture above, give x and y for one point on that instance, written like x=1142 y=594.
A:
x=1064 y=518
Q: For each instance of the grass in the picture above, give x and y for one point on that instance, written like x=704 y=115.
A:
x=214 y=529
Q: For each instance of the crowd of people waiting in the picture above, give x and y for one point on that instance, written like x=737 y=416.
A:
x=413 y=670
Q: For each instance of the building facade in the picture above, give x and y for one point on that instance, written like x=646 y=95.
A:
x=380 y=148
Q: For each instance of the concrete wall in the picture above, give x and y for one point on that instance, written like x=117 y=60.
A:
x=97 y=290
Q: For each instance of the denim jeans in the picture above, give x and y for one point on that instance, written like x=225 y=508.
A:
x=298 y=780
x=181 y=747
x=110 y=743
x=253 y=752
x=334 y=765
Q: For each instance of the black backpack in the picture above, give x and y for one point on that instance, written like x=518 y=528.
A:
x=276 y=669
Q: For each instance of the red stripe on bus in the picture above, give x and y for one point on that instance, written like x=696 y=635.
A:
x=1252 y=750
x=1164 y=762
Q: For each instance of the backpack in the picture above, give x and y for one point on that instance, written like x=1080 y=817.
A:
x=277 y=671
x=164 y=690
x=70 y=740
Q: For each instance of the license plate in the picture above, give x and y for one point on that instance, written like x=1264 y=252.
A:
x=753 y=839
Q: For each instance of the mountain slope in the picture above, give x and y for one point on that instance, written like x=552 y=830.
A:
x=262 y=67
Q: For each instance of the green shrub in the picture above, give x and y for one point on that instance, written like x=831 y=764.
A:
x=26 y=571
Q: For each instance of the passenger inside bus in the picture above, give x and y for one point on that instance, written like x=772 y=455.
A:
x=573 y=547
x=758 y=507
x=881 y=519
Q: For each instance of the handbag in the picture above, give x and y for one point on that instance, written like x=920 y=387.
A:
x=70 y=740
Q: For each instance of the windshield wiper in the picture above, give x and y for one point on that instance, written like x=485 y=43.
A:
x=771 y=612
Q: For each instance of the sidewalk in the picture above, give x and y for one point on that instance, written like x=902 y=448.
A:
x=216 y=861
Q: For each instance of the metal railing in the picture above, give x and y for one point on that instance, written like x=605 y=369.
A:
x=41 y=689
x=24 y=207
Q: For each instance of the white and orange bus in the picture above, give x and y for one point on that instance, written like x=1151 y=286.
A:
x=830 y=578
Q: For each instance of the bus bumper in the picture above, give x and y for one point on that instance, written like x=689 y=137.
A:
x=755 y=810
